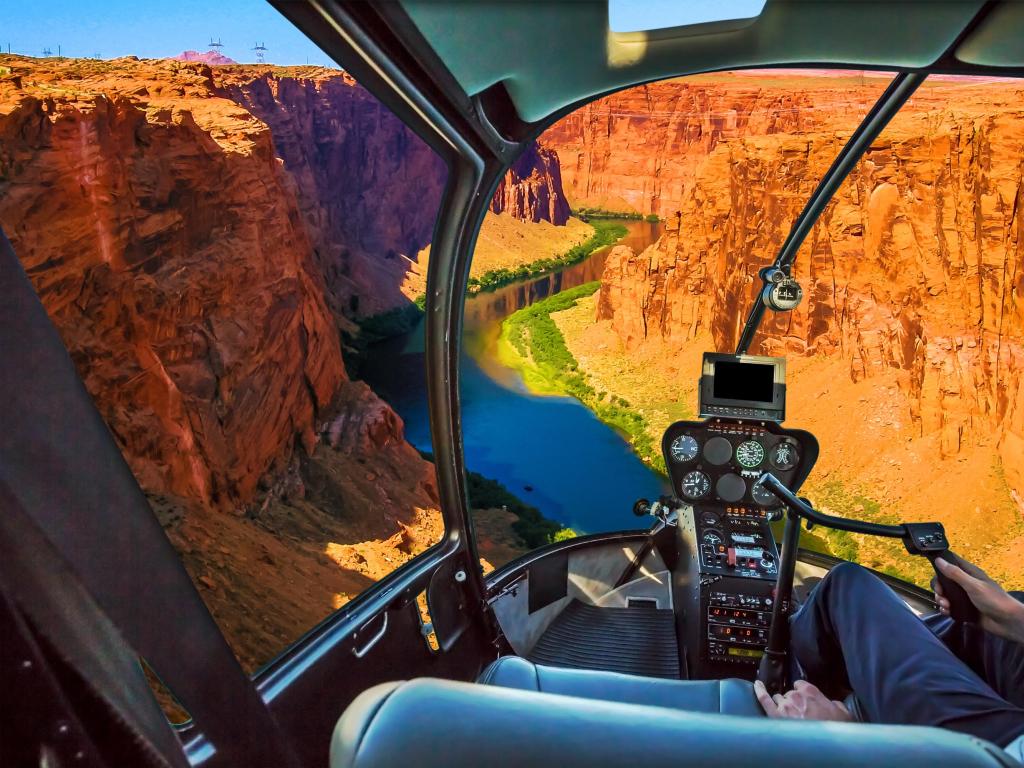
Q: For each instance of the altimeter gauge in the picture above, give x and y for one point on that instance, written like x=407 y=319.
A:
x=684 y=448
x=694 y=485
x=749 y=454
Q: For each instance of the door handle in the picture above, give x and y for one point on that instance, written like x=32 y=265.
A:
x=361 y=652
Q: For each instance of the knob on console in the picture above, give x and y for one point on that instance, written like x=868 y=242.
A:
x=641 y=507
x=718 y=451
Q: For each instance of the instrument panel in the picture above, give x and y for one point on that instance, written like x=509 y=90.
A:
x=715 y=462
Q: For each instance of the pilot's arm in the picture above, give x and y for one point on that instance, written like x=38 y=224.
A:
x=1001 y=613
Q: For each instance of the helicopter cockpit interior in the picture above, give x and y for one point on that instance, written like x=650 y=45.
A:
x=445 y=631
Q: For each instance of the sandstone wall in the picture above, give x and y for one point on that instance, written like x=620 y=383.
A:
x=634 y=150
x=917 y=266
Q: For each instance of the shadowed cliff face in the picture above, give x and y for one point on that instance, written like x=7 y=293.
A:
x=915 y=268
x=368 y=187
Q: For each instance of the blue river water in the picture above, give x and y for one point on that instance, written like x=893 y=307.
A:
x=552 y=452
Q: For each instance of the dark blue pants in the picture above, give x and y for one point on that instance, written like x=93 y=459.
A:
x=855 y=634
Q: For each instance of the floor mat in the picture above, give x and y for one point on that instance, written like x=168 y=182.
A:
x=636 y=641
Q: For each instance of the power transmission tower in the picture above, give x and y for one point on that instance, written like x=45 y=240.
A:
x=215 y=45
x=47 y=52
x=260 y=49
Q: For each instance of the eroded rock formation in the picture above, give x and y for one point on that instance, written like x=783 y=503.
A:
x=532 y=188
x=917 y=266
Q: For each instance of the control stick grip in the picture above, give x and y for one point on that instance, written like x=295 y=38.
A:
x=960 y=606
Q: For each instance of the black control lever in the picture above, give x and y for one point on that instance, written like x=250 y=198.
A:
x=925 y=539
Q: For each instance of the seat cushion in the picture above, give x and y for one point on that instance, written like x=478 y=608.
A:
x=730 y=697
x=443 y=724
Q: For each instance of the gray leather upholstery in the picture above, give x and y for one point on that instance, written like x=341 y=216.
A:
x=730 y=697
x=442 y=724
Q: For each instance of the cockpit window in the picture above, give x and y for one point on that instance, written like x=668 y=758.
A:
x=905 y=358
x=619 y=249
x=223 y=226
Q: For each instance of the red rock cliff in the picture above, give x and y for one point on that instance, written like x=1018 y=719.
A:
x=916 y=265
x=165 y=241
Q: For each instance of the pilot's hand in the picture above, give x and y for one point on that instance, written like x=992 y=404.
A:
x=804 y=702
x=1001 y=614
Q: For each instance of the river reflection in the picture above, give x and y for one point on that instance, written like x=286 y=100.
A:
x=550 y=451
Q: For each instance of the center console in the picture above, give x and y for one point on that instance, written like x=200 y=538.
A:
x=725 y=585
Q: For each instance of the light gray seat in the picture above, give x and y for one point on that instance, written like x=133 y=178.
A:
x=442 y=724
x=730 y=697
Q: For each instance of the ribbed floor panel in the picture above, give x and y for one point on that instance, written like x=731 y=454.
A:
x=636 y=641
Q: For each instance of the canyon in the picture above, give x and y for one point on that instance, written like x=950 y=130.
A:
x=205 y=239
x=911 y=329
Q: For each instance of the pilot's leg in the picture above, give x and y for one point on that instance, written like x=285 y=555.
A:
x=998 y=662
x=854 y=633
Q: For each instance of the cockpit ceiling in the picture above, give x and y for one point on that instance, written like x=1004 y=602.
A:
x=552 y=54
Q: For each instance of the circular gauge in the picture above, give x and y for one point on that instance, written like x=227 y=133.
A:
x=709 y=519
x=730 y=487
x=783 y=456
x=684 y=448
x=694 y=485
x=718 y=451
x=712 y=539
x=763 y=496
x=749 y=454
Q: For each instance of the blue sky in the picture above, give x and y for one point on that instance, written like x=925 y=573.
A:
x=636 y=15
x=152 y=29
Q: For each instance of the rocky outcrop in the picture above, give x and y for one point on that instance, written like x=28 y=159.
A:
x=532 y=188
x=915 y=266
x=209 y=57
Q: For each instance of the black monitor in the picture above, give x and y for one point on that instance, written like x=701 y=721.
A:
x=743 y=387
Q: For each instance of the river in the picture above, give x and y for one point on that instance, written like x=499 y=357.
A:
x=552 y=452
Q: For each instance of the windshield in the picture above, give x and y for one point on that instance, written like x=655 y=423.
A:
x=586 y=322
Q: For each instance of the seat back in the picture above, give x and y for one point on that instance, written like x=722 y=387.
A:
x=442 y=724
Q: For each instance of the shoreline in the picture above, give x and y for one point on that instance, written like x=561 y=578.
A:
x=531 y=344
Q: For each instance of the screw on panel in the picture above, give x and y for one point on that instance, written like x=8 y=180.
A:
x=460 y=576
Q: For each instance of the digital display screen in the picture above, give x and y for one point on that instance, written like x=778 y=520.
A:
x=750 y=652
x=744 y=381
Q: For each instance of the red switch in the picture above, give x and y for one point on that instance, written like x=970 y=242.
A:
x=732 y=557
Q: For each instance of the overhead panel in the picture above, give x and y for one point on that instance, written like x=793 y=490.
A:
x=553 y=54
x=999 y=39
